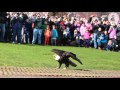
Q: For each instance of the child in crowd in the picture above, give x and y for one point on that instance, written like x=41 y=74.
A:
x=47 y=34
x=86 y=38
x=109 y=46
x=54 y=35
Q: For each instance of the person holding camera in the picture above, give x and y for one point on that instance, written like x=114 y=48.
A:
x=37 y=31
x=17 y=22
x=112 y=34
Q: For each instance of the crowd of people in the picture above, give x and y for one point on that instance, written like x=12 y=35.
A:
x=36 y=28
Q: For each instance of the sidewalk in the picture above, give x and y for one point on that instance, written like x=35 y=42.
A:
x=28 y=72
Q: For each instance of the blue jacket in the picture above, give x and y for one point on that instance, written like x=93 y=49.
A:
x=54 y=33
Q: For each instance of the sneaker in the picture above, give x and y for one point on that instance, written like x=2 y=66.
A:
x=99 y=48
x=13 y=42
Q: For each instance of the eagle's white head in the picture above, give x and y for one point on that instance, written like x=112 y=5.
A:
x=57 y=57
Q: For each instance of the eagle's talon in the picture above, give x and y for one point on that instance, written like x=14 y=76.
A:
x=57 y=67
x=64 y=68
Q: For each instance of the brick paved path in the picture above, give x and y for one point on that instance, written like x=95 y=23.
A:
x=28 y=72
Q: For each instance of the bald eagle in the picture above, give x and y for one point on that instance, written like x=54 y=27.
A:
x=63 y=58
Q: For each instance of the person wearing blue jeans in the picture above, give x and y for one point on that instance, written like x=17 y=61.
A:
x=26 y=35
x=2 y=25
x=17 y=32
x=95 y=40
x=95 y=32
x=17 y=28
x=37 y=33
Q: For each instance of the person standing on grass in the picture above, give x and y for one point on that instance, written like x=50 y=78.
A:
x=86 y=38
x=95 y=28
x=37 y=31
x=54 y=35
x=44 y=27
x=118 y=35
x=29 y=31
x=17 y=22
x=66 y=35
x=47 y=34
x=112 y=34
x=2 y=25
x=82 y=29
x=8 y=29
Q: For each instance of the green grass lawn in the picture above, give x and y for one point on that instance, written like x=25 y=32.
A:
x=41 y=56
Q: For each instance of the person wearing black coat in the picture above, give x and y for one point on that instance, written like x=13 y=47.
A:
x=2 y=25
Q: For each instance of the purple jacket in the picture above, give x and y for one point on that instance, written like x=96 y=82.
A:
x=112 y=33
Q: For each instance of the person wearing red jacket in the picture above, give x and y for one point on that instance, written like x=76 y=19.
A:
x=47 y=34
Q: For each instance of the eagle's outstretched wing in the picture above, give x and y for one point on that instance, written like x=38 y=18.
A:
x=72 y=55
x=72 y=63
x=65 y=54
x=58 y=52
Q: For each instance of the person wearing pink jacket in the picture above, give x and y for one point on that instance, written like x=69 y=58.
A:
x=112 y=34
x=82 y=29
x=86 y=38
